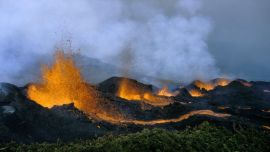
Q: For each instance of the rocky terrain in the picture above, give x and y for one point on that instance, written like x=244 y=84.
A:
x=240 y=104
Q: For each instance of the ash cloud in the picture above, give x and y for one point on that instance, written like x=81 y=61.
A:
x=166 y=39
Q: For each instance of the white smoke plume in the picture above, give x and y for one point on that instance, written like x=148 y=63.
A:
x=166 y=38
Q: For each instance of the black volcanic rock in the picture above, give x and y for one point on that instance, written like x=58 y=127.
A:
x=112 y=85
x=192 y=85
x=262 y=89
x=7 y=93
x=237 y=94
x=183 y=92
x=23 y=120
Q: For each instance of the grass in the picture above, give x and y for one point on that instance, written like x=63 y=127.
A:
x=204 y=138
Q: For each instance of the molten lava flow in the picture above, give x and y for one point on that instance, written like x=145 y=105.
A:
x=195 y=93
x=266 y=127
x=223 y=107
x=222 y=82
x=62 y=83
x=128 y=90
x=179 y=119
x=206 y=86
x=266 y=110
x=165 y=92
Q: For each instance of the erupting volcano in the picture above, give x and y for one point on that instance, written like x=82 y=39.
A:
x=208 y=86
x=121 y=104
x=62 y=83
x=166 y=92
x=134 y=75
x=195 y=93
x=131 y=91
x=202 y=87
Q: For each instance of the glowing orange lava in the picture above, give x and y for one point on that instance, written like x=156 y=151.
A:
x=62 y=83
x=222 y=82
x=165 y=92
x=266 y=127
x=179 y=119
x=128 y=90
x=195 y=93
x=208 y=86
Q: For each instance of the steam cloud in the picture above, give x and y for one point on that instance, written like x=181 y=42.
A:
x=165 y=39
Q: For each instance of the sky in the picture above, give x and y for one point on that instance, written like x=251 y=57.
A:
x=179 y=40
x=240 y=41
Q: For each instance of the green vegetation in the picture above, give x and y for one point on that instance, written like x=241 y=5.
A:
x=205 y=138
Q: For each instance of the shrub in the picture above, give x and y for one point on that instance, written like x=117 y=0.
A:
x=205 y=138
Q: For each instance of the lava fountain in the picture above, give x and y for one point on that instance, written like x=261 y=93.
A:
x=202 y=85
x=62 y=83
x=129 y=91
x=195 y=93
x=207 y=86
x=222 y=82
x=166 y=92
x=58 y=83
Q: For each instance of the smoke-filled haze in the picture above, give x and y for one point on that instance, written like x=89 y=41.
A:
x=166 y=39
